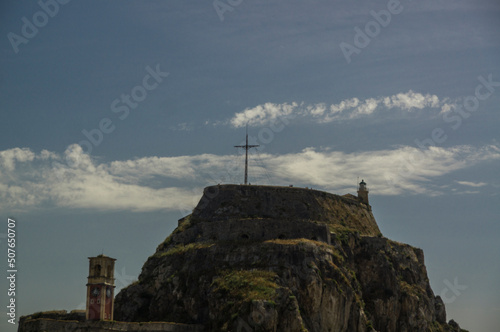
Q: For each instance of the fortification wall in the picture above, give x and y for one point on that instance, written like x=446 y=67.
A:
x=76 y=315
x=231 y=202
x=247 y=229
x=45 y=324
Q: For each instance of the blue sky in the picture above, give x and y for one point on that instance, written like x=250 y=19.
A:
x=116 y=114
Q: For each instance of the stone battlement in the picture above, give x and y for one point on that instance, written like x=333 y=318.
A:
x=52 y=325
x=260 y=213
x=231 y=202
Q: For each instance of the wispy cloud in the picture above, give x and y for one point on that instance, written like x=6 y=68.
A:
x=30 y=180
x=263 y=114
x=472 y=184
x=347 y=109
x=182 y=127
x=468 y=192
x=389 y=172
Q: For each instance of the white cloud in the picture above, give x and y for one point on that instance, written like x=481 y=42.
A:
x=389 y=172
x=75 y=180
x=446 y=107
x=468 y=192
x=347 y=109
x=316 y=110
x=472 y=184
x=9 y=158
x=343 y=105
x=366 y=108
x=410 y=100
x=31 y=180
x=262 y=114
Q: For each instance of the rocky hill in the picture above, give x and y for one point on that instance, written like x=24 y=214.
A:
x=259 y=258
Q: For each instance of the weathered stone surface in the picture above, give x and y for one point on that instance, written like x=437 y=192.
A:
x=76 y=315
x=246 y=230
x=276 y=277
x=355 y=284
x=229 y=202
x=254 y=258
x=51 y=325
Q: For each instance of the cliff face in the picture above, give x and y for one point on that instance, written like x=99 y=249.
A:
x=240 y=262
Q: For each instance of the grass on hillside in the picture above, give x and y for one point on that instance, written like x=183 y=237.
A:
x=246 y=285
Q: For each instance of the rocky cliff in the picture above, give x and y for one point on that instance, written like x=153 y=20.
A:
x=254 y=258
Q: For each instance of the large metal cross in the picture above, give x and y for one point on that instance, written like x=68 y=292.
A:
x=246 y=147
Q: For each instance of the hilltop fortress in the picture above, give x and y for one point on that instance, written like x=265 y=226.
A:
x=269 y=258
x=260 y=213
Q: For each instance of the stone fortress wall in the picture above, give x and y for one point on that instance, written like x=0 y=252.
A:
x=248 y=230
x=260 y=213
x=61 y=321
x=235 y=213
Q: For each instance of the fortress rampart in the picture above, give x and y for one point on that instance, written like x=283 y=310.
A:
x=248 y=230
x=60 y=321
x=260 y=213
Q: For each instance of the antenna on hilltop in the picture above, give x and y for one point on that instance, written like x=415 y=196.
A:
x=246 y=147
